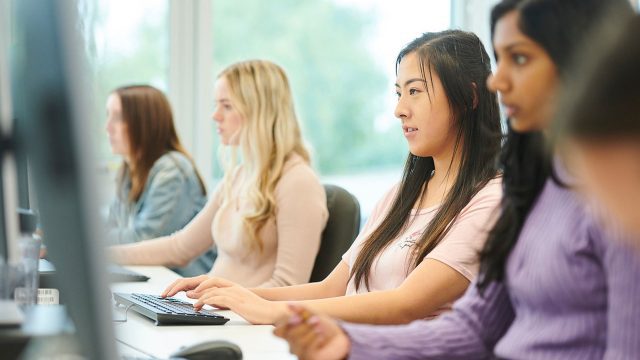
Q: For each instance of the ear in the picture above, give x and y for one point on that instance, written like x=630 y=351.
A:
x=475 y=95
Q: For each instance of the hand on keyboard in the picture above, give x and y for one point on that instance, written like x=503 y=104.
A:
x=167 y=311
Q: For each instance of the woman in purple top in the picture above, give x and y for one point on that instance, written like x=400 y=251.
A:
x=553 y=284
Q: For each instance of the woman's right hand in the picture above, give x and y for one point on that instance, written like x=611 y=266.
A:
x=311 y=336
x=184 y=284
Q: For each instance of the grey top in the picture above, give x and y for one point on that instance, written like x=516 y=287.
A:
x=172 y=196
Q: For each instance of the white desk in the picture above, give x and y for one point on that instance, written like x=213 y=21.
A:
x=140 y=334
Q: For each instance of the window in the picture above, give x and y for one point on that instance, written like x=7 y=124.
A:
x=339 y=55
x=127 y=42
x=340 y=58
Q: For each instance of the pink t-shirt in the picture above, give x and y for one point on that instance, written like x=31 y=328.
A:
x=458 y=249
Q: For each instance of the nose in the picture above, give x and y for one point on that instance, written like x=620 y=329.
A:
x=216 y=116
x=107 y=126
x=498 y=82
x=401 y=111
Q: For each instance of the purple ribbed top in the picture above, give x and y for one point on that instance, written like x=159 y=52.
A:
x=573 y=292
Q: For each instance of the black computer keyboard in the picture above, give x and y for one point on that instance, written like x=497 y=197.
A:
x=168 y=311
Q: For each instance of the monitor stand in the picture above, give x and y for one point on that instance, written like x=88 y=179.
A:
x=10 y=314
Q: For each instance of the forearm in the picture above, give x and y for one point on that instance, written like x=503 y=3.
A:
x=381 y=307
x=161 y=251
x=422 y=339
x=413 y=300
x=469 y=331
x=317 y=290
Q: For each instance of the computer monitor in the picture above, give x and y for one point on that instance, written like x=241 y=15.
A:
x=16 y=211
x=8 y=200
x=48 y=94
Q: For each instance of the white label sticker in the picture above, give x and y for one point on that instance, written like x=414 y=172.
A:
x=48 y=297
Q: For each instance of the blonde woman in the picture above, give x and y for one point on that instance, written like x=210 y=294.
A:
x=267 y=215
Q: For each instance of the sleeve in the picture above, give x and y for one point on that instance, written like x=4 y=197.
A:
x=159 y=207
x=380 y=210
x=621 y=263
x=460 y=247
x=301 y=215
x=470 y=331
x=177 y=249
x=112 y=223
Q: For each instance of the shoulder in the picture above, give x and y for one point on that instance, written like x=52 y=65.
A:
x=489 y=195
x=173 y=159
x=493 y=188
x=388 y=197
x=384 y=204
x=604 y=231
x=173 y=162
x=297 y=172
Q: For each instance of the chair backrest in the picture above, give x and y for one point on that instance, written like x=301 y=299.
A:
x=342 y=228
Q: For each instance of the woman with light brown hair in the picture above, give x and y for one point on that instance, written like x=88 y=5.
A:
x=158 y=189
x=267 y=215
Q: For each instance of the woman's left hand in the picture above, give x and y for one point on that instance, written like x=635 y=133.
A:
x=312 y=336
x=243 y=302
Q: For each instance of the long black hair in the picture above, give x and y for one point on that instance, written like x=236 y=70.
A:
x=462 y=64
x=560 y=27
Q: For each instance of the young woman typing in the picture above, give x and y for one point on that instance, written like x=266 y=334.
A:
x=418 y=251
x=267 y=215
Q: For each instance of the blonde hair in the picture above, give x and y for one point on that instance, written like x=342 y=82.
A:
x=270 y=133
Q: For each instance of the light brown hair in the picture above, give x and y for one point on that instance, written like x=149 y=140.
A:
x=151 y=132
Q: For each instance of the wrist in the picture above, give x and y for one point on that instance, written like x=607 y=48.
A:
x=279 y=310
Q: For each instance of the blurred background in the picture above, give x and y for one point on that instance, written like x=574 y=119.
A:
x=339 y=55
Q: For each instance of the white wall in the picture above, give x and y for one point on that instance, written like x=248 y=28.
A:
x=473 y=15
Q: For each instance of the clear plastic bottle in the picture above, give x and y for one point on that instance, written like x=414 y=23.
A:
x=26 y=293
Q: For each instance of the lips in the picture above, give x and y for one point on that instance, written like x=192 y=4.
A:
x=408 y=129
x=509 y=110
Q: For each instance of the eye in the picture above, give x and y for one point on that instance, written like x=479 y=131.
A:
x=413 y=91
x=398 y=94
x=519 y=59
x=224 y=106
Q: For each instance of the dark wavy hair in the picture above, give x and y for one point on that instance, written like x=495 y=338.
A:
x=462 y=64
x=561 y=28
